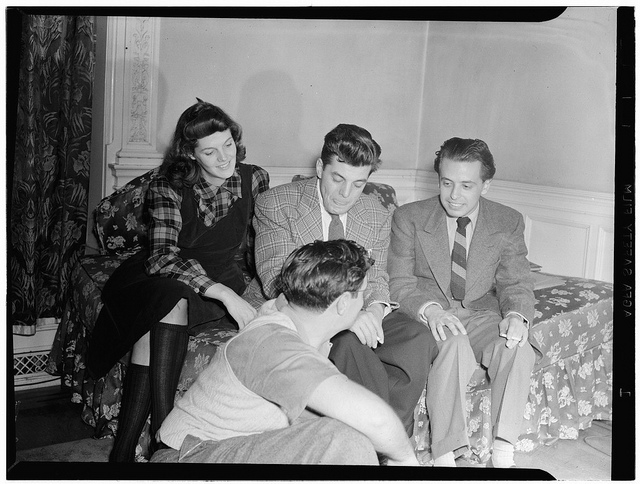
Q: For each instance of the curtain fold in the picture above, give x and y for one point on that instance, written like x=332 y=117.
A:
x=50 y=176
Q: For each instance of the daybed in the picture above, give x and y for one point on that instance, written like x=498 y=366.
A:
x=571 y=384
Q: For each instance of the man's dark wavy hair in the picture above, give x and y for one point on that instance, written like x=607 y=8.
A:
x=316 y=274
x=197 y=121
x=460 y=149
x=351 y=144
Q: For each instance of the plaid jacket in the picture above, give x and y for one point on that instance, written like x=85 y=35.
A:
x=288 y=216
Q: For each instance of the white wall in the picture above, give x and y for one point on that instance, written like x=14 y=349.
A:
x=541 y=94
x=288 y=82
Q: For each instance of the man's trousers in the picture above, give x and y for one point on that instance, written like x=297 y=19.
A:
x=509 y=372
x=396 y=370
x=320 y=440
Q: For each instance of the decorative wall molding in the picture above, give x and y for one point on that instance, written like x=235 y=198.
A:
x=131 y=98
x=142 y=37
x=122 y=173
x=568 y=232
x=410 y=185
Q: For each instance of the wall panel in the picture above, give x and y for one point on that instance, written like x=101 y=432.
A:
x=561 y=244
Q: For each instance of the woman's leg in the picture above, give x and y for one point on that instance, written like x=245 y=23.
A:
x=151 y=387
x=135 y=405
x=168 y=348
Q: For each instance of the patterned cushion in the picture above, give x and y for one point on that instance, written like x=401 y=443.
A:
x=121 y=219
x=571 y=318
x=385 y=193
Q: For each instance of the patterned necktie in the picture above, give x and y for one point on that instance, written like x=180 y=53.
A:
x=459 y=259
x=336 y=229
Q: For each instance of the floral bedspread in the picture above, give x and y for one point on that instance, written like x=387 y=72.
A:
x=570 y=387
x=571 y=384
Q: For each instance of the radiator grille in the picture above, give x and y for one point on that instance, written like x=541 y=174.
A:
x=29 y=363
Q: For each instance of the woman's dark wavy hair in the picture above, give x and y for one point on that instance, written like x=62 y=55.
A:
x=198 y=121
x=316 y=274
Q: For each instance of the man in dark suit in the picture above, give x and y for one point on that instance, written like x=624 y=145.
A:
x=478 y=306
x=384 y=350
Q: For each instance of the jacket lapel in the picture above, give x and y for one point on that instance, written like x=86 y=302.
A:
x=309 y=222
x=435 y=246
x=358 y=226
x=482 y=245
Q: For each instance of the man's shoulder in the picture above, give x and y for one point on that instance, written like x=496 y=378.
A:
x=371 y=203
x=420 y=206
x=286 y=192
x=499 y=210
x=268 y=325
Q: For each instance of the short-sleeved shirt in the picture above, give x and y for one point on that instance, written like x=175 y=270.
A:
x=260 y=380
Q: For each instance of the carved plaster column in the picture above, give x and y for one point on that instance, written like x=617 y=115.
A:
x=134 y=76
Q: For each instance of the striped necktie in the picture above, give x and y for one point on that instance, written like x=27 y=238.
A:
x=336 y=229
x=459 y=260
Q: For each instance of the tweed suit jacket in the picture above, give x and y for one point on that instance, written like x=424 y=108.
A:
x=288 y=216
x=498 y=272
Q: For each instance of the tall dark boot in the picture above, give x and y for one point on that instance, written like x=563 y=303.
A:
x=134 y=410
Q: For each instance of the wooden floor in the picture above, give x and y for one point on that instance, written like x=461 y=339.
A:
x=586 y=459
x=47 y=416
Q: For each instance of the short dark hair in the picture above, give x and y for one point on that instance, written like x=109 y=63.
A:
x=316 y=274
x=196 y=122
x=460 y=149
x=351 y=144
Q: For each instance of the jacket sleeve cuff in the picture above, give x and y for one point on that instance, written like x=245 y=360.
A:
x=524 y=320
x=423 y=318
x=388 y=307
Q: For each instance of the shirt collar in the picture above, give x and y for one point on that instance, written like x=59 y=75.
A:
x=473 y=216
x=232 y=185
x=326 y=217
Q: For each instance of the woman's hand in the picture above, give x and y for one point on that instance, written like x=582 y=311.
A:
x=238 y=308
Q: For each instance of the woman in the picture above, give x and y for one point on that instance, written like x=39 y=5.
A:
x=201 y=206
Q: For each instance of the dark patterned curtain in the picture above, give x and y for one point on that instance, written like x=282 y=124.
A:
x=50 y=178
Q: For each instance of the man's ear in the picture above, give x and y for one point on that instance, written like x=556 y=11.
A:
x=319 y=167
x=485 y=185
x=342 y=303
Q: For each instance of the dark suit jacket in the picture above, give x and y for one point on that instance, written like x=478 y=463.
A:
x=288 y=216
x=498 y=272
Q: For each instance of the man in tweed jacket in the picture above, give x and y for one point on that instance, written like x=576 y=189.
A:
x=384 y=350
x=487 y=323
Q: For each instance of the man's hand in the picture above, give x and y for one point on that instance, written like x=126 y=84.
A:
x=368 y=326
x=237 y=307
x=438 y=319
x=513 y=329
